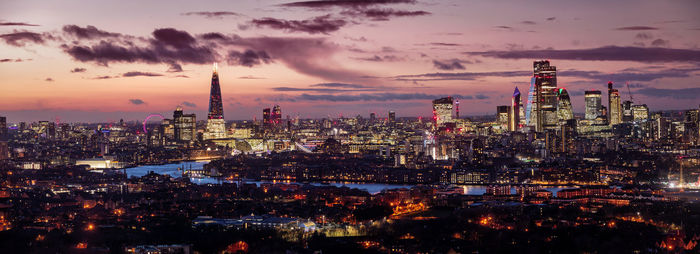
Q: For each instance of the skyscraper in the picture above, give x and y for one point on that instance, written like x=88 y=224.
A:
x=276 y=115
x=216 y=125
x=640 y=112
x=503 y=116
x=627 y=115
x=4 y=149
x=530 y=114
x=442 y=110
x=392 y=116
x=456 y=109
x=545 y=95
x=184 y=126
x=3 y=128
x=593 y=105
x=614 y=106
x=564 y=111
x=267 y=119
x=515 y=108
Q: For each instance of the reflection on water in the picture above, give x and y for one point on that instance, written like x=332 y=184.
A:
x=176 y=170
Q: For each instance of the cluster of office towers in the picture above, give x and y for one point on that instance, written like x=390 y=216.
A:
x=549 y=106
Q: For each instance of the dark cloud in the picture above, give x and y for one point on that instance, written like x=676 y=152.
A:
x=322 y=24
x=189 y=104
x=644 y=36
x=74 y=70
x=143 y=74
x=339 y=85
x=551 y=18
x=89 y=32
x=660 y=43
x=7 y=60
x=683 y=93
x=504 y=27
x=446 y=44
x=174 y=67
x=310 y=56
x=48 y=80
x=609 y=53
x=173 y=37
x=380 y=97
x=103 y=77
x=344 y=3
x=213 y=36
x=448 y=65
x=528 y=22
x=316 y=90
x=167 y=46
x=20 y=38
x=211 y=14
x=328 y=88
x=636 y=28
x=16 y=24
x=248 y=58
x=381 y=14
x=461 y=75
x=376 y=58
x=136 y=101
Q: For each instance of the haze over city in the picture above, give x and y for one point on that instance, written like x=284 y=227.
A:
x=101 y=61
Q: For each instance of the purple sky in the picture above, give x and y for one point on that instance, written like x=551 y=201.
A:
x=105 y=60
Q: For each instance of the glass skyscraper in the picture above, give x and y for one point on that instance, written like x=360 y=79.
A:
x=614 y=106
x=216 y=125
x=545 y=96
x=594 y=107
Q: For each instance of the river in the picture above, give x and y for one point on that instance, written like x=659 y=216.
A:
x=373 y=188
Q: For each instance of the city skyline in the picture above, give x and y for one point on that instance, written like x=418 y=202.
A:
x=326 y=58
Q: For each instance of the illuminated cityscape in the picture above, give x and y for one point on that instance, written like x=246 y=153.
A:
x=440 y=153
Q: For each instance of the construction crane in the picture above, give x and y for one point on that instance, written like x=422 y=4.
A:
x=629 y=91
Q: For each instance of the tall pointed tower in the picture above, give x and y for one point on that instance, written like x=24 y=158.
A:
x=515 y=109
x=216 y=125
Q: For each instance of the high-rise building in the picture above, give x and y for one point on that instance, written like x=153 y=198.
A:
x=502 y=116
x=691 y=126
x=568 y=136
x=456 y=109
x=614 y=106
x=627 y=115
x=185 y=126
x=4 y=149
x=546 y=94
x=442 y=110
x=564 y=110
x=530 y=114
x=392 y=116
x=276 y=115
x=216 y=125
x=593 y=105
x=544 y=104
x=3 y=128
x=47 y=129
x=515 y=109
x=372 y=117
x=267 y=118
x=640 y=112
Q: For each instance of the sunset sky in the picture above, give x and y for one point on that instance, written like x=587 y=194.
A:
x=100 y=61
